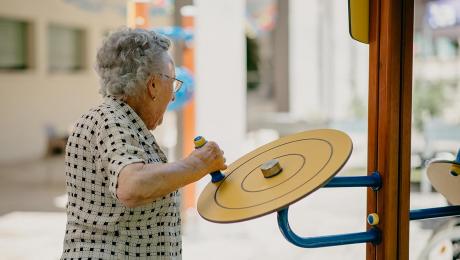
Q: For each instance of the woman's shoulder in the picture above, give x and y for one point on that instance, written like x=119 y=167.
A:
x=109 y=112
x=100 y=116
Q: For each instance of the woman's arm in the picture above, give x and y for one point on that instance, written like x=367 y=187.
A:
x=139 y=183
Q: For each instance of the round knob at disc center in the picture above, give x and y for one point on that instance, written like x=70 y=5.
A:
x=255 y=182
x=308 y=160
x=271 y=168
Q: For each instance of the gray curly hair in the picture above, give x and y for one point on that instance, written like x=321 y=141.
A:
x=127 y=59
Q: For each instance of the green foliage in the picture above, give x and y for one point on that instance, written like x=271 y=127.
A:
x=252 y=63
x=252 y=54
x=428 y=101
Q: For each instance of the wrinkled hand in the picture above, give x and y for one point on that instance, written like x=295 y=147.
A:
x=208 y=158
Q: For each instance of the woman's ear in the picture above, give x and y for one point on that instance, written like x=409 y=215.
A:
x=151 y=89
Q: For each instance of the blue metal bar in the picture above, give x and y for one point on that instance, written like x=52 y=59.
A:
x=440 y=212
x=373 y=181
x=457 y=160
x=373 y=235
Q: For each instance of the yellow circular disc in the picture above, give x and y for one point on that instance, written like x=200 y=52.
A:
x=308 y=159
x=445 y=178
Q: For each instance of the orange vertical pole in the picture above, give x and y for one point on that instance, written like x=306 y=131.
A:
x=138 y=14
x=138 y=17
x=188 y=115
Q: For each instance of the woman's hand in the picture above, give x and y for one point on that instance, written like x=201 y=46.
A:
x=206 y=159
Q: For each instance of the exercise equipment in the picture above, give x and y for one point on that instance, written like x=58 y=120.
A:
x=444 y=176
x=276 y=175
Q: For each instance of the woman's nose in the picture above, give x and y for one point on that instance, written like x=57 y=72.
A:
x=173 y=97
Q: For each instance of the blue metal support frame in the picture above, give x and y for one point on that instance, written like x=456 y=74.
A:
x=373 y=235
x=457 y=159
x=373 y=181
x=440 y=212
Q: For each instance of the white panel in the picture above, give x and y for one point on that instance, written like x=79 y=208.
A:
x=303 y=59
x=221 y=73
x=341 y=92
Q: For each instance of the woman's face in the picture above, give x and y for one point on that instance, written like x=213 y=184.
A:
x=161 y=93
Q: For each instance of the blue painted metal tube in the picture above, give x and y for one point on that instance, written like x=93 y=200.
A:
x=440 y=212
x=373 y=181
x=373 y=235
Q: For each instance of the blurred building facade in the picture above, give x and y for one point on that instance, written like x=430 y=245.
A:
x=47 y=79
x=311 y=70
x=317 y=76
x=318 y=71
x=311 y=73
x=436 y=72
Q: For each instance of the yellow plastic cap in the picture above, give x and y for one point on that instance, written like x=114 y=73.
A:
x=455 y=170
x=373 y=219
x=199 y=141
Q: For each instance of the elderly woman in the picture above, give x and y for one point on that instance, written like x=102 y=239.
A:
x=123 y=194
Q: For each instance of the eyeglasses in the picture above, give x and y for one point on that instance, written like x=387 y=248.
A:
x=177 y=83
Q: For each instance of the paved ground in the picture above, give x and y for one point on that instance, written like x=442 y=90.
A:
x=32 y=225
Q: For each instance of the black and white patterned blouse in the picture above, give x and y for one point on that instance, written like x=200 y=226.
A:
x=103 y=141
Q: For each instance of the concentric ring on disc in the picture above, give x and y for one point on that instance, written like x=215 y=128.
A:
x=250 y=181
x=443 y=181
x=309 y=159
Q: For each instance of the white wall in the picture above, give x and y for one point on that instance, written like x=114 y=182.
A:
x=341 y=83
x=320 y=58
x=31 y=99
x=348 y=52
x=220 y=73
x=304 y=99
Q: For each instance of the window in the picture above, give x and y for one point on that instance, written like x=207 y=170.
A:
x=65 y=48
x=13 y=46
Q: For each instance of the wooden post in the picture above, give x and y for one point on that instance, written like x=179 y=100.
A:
x=389 y=124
